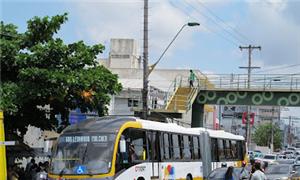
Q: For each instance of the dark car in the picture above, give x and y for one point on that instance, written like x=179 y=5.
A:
x=279 y=171
x=238 y=174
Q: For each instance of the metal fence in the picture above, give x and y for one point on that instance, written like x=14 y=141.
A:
x=257 y=81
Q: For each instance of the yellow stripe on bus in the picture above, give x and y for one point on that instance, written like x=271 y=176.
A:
x=3 y=173
x=129 y=124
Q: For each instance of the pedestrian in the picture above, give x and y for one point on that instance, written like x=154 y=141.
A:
x=258 y=174
x=192 y=78
x=29 y=168
x=229 y=173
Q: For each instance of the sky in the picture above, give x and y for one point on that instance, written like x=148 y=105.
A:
x=212 y=47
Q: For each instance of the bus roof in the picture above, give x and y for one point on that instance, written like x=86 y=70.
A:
x=172 y=127
x=111 y=124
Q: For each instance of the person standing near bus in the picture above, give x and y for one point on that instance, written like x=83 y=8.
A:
x=192 y=78
x=229 y=173
x=258 y=174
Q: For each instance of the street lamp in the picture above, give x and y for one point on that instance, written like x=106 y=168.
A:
x=151 y=68
x=190 y=24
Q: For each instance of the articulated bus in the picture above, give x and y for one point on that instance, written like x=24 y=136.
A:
x=128 y=148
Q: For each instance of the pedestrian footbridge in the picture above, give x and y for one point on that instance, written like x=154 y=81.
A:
x=232 y=89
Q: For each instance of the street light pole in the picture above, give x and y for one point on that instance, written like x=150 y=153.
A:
x=149 y=69
x=174 y=38
x=145 y=63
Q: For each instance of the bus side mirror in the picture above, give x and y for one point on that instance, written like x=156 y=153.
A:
x=122 y=146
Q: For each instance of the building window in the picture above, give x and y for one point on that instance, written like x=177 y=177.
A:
x=133 y=102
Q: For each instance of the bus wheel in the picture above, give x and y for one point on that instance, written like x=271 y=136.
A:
x=189 y=177
x=140 y=178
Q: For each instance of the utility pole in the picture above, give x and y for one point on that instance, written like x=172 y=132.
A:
x=289 y=134
x=272 y=132
x=249 y=67
x=145 y=63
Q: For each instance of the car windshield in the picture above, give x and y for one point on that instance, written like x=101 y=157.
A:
x=83 y=153
x=277 y=169
x=269 y=157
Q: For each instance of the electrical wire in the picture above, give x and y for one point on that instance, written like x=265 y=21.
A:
x=207 y=27
x=221 y=20
x=213 y=21
x=278 y=68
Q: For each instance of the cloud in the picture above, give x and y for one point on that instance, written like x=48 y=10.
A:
x=272 y=28
x=103 y=20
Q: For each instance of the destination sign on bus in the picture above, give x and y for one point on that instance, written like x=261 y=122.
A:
x=84 y=139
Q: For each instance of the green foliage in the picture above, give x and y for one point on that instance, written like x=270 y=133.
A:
x=38 y=70
x=262 y=135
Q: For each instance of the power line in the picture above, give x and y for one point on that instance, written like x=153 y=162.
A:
x=277 y=68
x=220 y=19
x=213 y=21
x=208 y=28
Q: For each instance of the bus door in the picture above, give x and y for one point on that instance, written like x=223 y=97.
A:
x=153 y=141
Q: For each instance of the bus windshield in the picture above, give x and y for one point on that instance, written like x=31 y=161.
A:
x=83 y=153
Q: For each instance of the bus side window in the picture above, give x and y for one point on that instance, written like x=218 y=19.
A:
x=241 y=150
x=138 y=145
x=221 y=150
x=166 y=146
x=199 y=142
x=153 y=141
x=175 y=147
x=214 y=147
x=228 y=154
x=234 y=150
x=196 y=148
x=186 y=147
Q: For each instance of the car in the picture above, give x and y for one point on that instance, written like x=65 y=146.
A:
x=291 y=149
x=219 y=173
x=279 y=171
x=289 y=153
x=281 y=157
x=297 y=160
x=285 y=161
x=257 y=153
x=269 y=158
x=296 y=175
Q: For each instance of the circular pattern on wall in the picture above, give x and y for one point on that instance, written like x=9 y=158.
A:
x=268 y=96
x=231 y=98
x=283 y=101
x=201 y=99
x=294 y=98
x=211 y=95
x=222 y=99
x=241 y=95
x=257 y=99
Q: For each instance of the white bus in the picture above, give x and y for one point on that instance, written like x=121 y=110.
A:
x=128 y=148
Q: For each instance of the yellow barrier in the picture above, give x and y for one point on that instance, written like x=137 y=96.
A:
x=3 y=173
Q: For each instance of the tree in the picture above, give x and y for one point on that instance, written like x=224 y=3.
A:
x=39 y=70
x=262 y=135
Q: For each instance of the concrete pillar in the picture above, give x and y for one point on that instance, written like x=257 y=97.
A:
x=197 y=114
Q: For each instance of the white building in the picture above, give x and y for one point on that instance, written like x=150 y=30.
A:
x=125 y=61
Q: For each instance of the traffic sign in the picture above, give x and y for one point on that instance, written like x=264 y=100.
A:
x=245 y=116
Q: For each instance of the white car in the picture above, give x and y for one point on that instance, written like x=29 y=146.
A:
x=270 y=158
x=297 y=160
